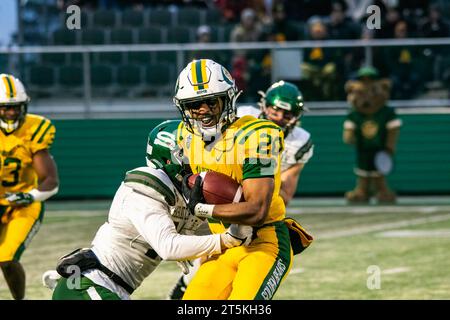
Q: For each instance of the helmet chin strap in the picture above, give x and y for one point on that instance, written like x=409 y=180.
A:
x=210 y=134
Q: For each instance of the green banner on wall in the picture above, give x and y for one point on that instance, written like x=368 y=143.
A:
x=93 y=155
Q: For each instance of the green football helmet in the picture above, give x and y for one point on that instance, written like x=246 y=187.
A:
x=164 y=153
x=286 y=96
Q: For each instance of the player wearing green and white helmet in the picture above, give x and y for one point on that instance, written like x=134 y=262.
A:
x=283 y=104
x=148 y=222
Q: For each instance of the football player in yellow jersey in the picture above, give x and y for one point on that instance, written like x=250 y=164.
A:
x=248 y=150
x=28 y=177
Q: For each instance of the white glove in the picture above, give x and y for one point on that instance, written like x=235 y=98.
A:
x=50 y=279
x=185 y=265
x=237 y=235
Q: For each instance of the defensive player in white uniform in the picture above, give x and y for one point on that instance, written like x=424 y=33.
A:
x=148 y=222
x=282 y=104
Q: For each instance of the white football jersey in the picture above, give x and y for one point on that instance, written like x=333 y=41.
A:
x=143 y=229
x=298 y=147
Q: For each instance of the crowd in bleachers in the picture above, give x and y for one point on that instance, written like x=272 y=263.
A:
x=323 y=70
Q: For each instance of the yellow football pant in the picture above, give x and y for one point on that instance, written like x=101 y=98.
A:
x=246 y=273
x=18 y=226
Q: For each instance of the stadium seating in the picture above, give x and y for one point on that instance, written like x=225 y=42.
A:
x=140 y=57
x=129 y=80
x=190 y=16
x=64 y=37
x=112 y=70
x=53 y=58
x=121 y=36
x=92 y=36
x=104 y=18
x=113 y=58
x=71 y=80
x=132 y=18
x=213 y=16
x=179 y=34
x=40 y=79
x=161 y=17
x=151 y=34
x=158 y=78
x=101 y=79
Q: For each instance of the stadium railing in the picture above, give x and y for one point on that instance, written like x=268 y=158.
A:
x=181 y=51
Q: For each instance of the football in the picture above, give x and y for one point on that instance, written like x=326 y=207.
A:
x=218 y=188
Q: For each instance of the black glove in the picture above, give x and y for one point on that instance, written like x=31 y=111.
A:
x=194 y=195
x=19 y=199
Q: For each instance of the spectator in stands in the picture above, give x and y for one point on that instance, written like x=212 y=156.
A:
x=231 y=9
x=319 y=65
x=280 y=28
x=302 y=10
x=340 y=26
x=248 y=30
x=392 y=17
x=434 y=26
x=402 y=64
x=203 y=37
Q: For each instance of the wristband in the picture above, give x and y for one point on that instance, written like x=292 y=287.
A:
x=203 y=210
x=42 y=195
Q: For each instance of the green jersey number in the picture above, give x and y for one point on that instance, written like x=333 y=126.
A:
x=12 y=167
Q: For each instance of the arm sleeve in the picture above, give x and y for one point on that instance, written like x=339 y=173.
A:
x=152 y=220
x=43 y=136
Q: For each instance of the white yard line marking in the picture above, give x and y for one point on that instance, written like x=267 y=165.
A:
x=76 y=213
x=439 y=233
x=381 y=227
x=366 y=209
x=297 y=270
x=395 y=270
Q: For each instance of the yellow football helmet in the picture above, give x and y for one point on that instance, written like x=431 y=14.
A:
x=12 y=95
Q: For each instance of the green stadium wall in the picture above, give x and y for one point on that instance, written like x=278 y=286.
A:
x=93 y=155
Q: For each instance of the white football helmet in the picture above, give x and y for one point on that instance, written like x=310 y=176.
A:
x=12 y=93
x=201 y=80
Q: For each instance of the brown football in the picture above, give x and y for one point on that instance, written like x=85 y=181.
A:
x=218 y=188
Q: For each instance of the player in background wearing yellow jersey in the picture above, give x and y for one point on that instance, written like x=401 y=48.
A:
x=28 y=177
x=248 y=150
x=283 y=104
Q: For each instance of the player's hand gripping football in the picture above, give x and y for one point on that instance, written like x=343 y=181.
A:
x=19 y=199
x=237 y=235
x=193 y=195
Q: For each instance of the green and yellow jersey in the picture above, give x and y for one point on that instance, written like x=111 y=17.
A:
x=17 y=150
x=249 y=148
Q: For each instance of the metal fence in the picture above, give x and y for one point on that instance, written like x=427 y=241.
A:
x=89 y=106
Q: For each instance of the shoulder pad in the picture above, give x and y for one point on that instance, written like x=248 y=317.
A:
x=298 y=136
x=248 y=111
x=153 y=183
x=40 y=131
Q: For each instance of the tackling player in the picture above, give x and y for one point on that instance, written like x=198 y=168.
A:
x=282 y=104
x=148 y=222
x=28 y=177
x=248 y=150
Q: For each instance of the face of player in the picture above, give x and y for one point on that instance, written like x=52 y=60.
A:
x=207 y=111
x=10 y=112
x=280 y=116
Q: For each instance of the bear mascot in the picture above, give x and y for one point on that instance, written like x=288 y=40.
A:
x=373 y=128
